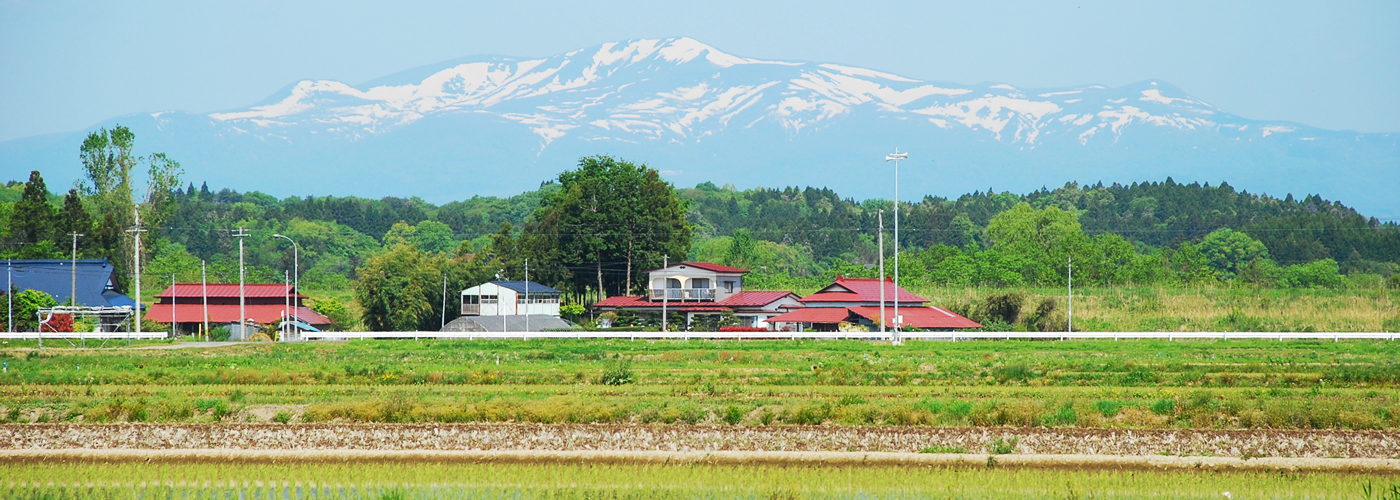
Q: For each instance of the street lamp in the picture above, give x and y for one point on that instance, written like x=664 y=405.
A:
x=296 y=282
x=896 y=157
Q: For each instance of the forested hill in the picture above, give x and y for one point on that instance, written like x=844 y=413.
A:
x=809 y=228
x=1156 y=214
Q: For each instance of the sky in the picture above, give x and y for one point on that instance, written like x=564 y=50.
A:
x=67 y=65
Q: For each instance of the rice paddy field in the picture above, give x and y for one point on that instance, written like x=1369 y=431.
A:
x=990 y=401
x=1141 y=384
x=392 y=481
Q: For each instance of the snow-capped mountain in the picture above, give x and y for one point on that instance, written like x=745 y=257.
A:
x=497 y=125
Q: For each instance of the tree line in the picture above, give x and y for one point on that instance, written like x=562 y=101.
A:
x=595 y=229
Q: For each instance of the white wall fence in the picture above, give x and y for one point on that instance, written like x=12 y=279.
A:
x=605 y=334
x=84 y=335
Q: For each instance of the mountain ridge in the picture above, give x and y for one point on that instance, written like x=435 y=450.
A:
x=491 y=124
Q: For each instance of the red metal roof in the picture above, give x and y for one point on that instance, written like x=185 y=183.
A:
x=277 y=290
x=624 y=301
x=835 y=297
x=812 y=315
x=719 y=268
x=919 y=317
x=754 y=299
x=705 y=309
x=865 y=289
x=226 y=313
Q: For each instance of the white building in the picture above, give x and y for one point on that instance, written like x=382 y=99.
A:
x=701 y=288
x=508 y=298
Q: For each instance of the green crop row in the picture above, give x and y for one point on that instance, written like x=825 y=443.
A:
x=395 y=481
x=717 y=404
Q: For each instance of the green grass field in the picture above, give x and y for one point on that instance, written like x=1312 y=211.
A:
x=395 y=481
x=1095 y=384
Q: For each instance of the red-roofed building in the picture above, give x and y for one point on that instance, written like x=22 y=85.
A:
x=696 y=288
x=183 y=305
x=856 y=301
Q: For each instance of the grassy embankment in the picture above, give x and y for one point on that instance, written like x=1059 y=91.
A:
x=395 y=481
x=1093 y=384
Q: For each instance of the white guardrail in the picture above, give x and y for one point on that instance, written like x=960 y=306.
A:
x=84 y=335
x=604 y=334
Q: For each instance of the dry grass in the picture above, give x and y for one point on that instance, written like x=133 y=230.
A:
x=1205 y=308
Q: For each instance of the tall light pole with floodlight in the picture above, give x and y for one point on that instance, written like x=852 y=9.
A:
x=296 y=283
x=896 y=157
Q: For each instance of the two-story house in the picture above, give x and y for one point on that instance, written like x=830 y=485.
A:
x=858 y=302
x=696 y=288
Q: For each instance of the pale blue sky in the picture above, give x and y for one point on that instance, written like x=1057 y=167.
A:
x=67 y=65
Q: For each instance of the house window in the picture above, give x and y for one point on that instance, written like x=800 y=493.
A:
x=729 y=287
x=700 y=283
x=471 y=299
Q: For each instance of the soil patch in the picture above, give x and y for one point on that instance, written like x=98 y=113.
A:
x=1246 y=444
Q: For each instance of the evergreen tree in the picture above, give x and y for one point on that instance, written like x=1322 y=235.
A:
x=31 y=220
x=74 y=218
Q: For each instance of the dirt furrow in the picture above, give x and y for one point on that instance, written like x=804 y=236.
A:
x=702 y=438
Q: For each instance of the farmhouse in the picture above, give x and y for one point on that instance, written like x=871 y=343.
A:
x=856 y=303
x=182 y=306
x=509 y=298
x=94 y=283
x=704 y=288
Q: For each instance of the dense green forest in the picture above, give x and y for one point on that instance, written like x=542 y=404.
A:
x=1150 y=233
x=802 y=232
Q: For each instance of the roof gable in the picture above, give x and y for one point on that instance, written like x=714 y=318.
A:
x=519 y=286
x=250 y=290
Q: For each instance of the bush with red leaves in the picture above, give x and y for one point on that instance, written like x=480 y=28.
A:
x=59 y=323
x=742 y=329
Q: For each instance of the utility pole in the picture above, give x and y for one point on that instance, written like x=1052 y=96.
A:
x=1071 y=294
x=174 y=323
x=444 y=302
x=10 y=293
x=665 y=290
x=286 y=304
x=136 y=233
x=204 y=285
x=73 y=296
x=242 y=315
x=881 y=216
x=527 y=296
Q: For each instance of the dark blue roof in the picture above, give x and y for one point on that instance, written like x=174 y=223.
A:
x=519 y=286
x=55 y=277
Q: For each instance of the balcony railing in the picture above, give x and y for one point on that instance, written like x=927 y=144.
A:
x=474 y=309
x=683 y=294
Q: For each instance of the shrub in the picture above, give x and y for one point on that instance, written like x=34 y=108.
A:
x=282 y=417
x=619 y=374
x=733 y=415
x=1042 y=319
x=1002 y=307
x=1108 y=409
x=1003 y=446
x=1164 y=407
x=742 y=329
x=219 y=334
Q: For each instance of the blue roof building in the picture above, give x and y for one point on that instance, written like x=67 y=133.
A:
x=96 y=286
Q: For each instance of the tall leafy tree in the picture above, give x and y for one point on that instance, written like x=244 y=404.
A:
x=609 y=219
x=108 y=159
